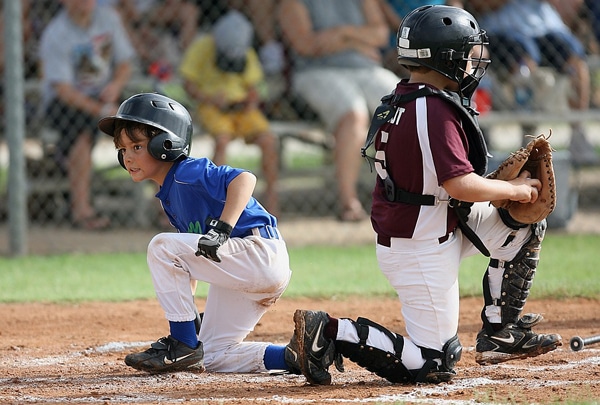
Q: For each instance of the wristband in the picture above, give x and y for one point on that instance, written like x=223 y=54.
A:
x=220 y=226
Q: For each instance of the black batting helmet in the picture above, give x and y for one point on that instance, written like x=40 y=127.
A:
x=161 y=112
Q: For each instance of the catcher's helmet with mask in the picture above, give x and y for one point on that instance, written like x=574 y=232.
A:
x=444 y=38
x=170 y=117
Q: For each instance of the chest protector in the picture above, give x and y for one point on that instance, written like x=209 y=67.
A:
x=478 y=153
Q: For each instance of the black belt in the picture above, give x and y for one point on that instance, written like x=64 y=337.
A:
x=497 y=264
x=387 y=241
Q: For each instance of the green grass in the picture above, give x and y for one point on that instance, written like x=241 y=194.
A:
x=568 y=269
x=298 y=161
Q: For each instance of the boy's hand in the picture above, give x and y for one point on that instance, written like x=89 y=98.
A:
x=209 y=243
x=528 y=188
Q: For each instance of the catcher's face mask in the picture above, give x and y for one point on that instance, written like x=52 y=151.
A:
x=476 y=65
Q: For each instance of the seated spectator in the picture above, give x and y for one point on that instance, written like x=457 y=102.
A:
x=29 y=40
x=591 y=11
x=267 y=42
x=583 y=18
x=336 y=68
x=526 y=34
x=262 y=14
x=220 y=72
x=160 y=30
x=86 y=61
x=580 y=16
x=29 y=25
x=593 y=6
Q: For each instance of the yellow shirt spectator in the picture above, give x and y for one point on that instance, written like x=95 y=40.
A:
x=199 y=67
x=221 y=72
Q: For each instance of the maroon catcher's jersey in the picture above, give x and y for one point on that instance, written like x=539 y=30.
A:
x=420 y=148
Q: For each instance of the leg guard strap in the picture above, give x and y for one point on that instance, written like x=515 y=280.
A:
x=433 y=372
x=389 y=365
x=517 y=279
x=385 y=364
x=509 y=220
x=518 y=276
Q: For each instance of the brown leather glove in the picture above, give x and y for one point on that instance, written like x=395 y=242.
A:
x=536 y=158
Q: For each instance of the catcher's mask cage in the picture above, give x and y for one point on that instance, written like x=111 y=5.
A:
x=173 y=141
x=446 y=39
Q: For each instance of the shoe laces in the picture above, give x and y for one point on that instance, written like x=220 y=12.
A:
x=165 y=344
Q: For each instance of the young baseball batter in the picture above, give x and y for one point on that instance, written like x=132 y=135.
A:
x=430 y=210
x=225 y=238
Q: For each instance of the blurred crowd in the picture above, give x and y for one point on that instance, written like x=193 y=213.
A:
x=239 y=64
x=155 y=24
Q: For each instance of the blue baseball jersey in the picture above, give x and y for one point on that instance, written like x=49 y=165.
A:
x=194 y=192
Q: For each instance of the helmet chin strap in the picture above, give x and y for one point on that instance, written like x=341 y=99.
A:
x=468 y=86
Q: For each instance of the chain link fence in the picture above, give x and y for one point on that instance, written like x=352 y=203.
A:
x=558 y=80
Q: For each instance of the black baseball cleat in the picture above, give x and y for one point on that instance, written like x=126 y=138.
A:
x=291 y=356
x=167 y=354
x=315 y=352
x=513 y=342
x=438 y=377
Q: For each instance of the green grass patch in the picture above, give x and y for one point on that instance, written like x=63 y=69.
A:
x=75 y=277
x=297 y=161
x=567 y=270
x=335 y=272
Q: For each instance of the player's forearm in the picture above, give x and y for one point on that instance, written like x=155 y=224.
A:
x=473 y=188
x=239 y=192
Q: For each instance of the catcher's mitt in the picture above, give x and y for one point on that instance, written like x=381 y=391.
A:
x=536 y=158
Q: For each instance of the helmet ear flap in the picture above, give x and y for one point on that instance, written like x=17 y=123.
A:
x=120 y=159
x=167 y=147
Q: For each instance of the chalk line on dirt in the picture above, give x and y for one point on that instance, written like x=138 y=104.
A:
x=113 y=385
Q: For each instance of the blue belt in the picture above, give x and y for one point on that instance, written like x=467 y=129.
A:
x=266 y=231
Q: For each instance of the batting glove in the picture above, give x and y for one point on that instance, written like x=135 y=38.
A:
x=209 y=243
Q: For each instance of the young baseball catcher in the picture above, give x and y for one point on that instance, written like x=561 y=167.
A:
x=431 y=209
x=225 y=238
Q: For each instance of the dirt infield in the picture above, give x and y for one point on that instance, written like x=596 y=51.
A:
x=59 y=353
